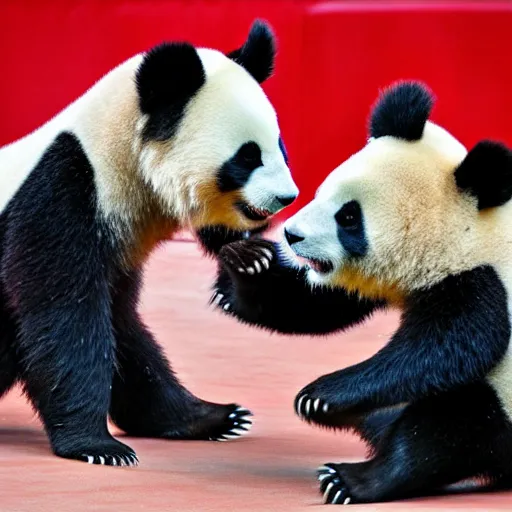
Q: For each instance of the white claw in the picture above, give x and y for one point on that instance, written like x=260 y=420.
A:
x=232 y=415
x=241 y=270
x=265 y=262
x=325 y=408
x=327 y=468
x=338 y=494
x=242 y=410
x=228 y=436
x=316 y=403
x=250 y=270
x=238 y=431
x=299 y=403
x=90 y=459
x=114 y=460
x=347 y=501
x=324 y=476
x=308 y=405
x=327 y=491
x=226 y=307
x=220 y=439
x=257 y=266
x=102 y=460
x=218 y=298
x=267 y=253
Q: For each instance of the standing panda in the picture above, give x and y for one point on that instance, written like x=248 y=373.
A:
x=417 y=222
x=176 y=137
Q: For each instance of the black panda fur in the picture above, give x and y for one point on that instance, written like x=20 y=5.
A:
x=432 y=404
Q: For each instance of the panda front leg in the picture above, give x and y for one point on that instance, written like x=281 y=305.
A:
x=147 y=398
x=67 y=347
x=436 y=442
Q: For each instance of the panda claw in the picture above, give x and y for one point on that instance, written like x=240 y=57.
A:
x=299 y=403
x=257 y=266
x=330 y=485
x=325 y=408
x=250 y=270
x=316 y=403
x=244 y=411
x=267 y=253
x=226 y=307
x=241 y=270
x=265 y=263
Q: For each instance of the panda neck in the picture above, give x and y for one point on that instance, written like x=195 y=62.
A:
x=108 y=124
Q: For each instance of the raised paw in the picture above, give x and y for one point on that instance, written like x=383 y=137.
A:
x=312 y=409
x=332 y=486
x=248 y=257
x=103 y=452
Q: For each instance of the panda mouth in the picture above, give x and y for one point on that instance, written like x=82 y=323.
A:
x=253 y=213
x=320 y=266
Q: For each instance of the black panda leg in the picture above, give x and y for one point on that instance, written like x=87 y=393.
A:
x=66 y=358
x=147 y=398
x=434 y=443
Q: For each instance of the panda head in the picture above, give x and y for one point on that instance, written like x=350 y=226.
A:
x=210 y=146
x=410 y=208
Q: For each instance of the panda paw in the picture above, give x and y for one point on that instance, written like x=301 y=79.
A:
x=109 y=452
x=210 y=422
x=248 y=258
x=333 y=486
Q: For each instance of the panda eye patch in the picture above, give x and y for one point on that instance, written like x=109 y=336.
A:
x=349 y=215
x=249 y=155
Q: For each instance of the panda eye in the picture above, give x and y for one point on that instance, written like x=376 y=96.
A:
x=349 y=215
x=249 y=155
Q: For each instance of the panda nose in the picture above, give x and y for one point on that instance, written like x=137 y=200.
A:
x=286 y=200
x=292 y=238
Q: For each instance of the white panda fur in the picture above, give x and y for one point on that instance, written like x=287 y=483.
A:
x=173 y=138
x=417 y=222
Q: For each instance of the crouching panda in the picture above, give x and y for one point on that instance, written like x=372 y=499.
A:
x=172 y=138
x=413 y=221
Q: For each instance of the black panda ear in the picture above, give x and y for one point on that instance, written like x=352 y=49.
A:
x=257 y=55
x=169 y=75
x=486 y=173
x=402 y=111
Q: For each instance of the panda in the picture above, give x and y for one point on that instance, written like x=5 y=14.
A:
x=176 y=137
x=412 y=221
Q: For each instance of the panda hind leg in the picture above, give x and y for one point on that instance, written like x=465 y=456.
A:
x=435 y=443
x=147 y=399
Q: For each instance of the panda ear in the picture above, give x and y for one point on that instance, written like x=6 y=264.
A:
x=402 y=111
x=486 y=173
x=170 y=74
x=257 y=55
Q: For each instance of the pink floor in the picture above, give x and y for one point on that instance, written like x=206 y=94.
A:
x=272 y=469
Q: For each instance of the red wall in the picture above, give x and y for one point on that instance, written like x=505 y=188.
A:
x=333 y=57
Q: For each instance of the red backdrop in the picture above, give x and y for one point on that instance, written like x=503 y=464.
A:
x=333 y=58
